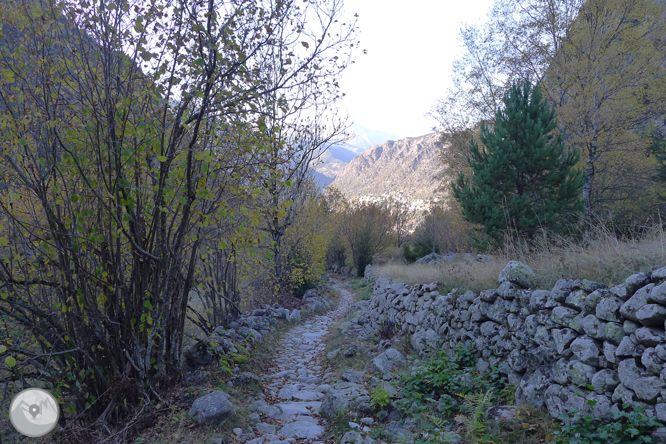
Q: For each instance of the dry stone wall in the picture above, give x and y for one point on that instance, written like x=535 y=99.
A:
x=578 y=342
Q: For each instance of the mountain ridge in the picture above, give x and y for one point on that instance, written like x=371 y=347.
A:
x=408 y=168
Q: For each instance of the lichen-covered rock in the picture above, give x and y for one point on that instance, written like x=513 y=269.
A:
x=593 y=327
x=650 y=337
x=563 y=338
x=561 y=371
x=651 y=314
x=605 y=380
x=576 y=300
x=561 y=400
x=539 y=300
x=577 y=323
x=629 y=348
x=630 y=327
x=621 y=292
x=658 y=294
x=387 y=360
x=636 y=281
x=518 y=273
x=586 y=350
x=647 y=388
x=638 y=300
x=579 y=373
x=658 y=275
x=609 y=352
x=623 y=395
x=592 y=300
x=563 y=315
x=497 y=311
x=423 y=339
x=614 y=332
x=533 y=386
x=561 y=290
x=608 y=308
x=652 y=363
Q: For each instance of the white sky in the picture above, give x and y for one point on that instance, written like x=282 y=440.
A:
x=411 y=46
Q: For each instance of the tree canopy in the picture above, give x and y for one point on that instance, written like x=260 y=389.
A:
x=523 y=179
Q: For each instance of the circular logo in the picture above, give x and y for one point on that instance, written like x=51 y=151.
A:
x=34 y=412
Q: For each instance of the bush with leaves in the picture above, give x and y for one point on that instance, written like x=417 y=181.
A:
x=632 y=427
x=122 y=155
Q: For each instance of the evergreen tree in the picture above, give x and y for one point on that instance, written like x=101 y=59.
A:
x=523 y=178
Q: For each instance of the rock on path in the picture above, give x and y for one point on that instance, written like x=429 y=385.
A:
x=297 y=379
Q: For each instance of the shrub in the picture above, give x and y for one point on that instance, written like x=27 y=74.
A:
x=625 y=428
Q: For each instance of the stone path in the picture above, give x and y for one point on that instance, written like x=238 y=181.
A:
x=297 y=381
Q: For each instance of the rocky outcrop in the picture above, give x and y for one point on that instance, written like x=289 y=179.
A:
x=579 y=345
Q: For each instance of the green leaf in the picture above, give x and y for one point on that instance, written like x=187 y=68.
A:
x=162 y=158
x=222 y=245
x=3 y=349
x=199 y=62
x=75 y=198
x=11 y=362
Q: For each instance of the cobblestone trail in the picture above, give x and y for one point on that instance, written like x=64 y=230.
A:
x=297 y=380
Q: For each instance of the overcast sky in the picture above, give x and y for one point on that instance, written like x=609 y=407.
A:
x=411 y=46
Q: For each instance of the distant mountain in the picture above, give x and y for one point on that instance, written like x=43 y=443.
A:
x=336 y=158
x=321 y=180
x=364 y=138
x=407 y=167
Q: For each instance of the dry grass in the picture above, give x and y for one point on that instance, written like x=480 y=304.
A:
x=605 y=259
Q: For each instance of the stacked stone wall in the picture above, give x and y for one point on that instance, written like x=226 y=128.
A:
x=578 y=342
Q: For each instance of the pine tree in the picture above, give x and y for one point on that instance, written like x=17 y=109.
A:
x=524 y=178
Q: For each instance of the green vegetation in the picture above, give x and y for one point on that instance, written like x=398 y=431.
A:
x=380 y=398
x=149 y=185
x=625 y=428
x=523 y=179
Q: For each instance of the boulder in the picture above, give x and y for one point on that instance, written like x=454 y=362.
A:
x=651 y=314
x=605 y=381
x=561 y=290
x=593 y=327
x=563 y=338
x=533 y=386
x=563 y=315
x=387 y=360
x=586 y=350
x=658 y=294
x=518 y=273
x=636 y=302
x=629 y=348
x=342 y=396
x=614 y=332
x=650 y=337
x=579 y=373
x=356 y=438
x=652 y=362
x=294 y=316
x=212 y=408
x=608 y=308
x=636 y=281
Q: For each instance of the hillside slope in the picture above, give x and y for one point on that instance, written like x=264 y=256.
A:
x=406 y=167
